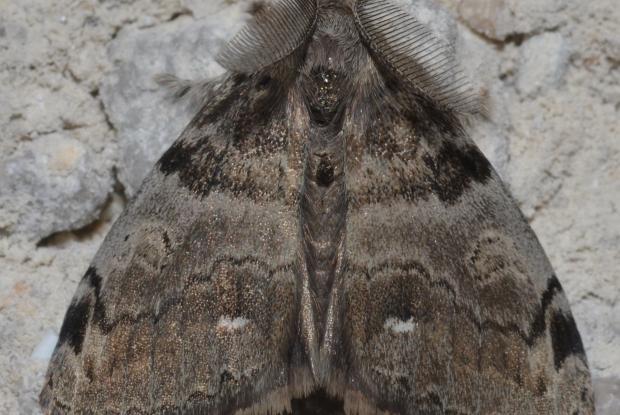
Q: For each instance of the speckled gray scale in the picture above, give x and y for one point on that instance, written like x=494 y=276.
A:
x=323 y=238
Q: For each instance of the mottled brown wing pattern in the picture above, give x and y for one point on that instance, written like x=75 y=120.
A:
x=189 y=305
x=452 y=306
x=323 y=238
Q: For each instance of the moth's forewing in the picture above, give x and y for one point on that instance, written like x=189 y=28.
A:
x=190 y=302
x=452 y=305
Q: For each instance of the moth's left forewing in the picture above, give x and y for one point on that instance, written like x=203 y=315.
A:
x=451 y=302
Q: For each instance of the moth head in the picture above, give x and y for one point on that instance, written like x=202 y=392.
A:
x=397 y=40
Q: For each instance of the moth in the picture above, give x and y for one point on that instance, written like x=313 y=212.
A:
x=323 y=238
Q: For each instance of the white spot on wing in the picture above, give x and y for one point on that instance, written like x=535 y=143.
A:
x=399 y=326
x=237 y=323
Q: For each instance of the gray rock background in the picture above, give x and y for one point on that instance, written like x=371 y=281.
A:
x=81 y=122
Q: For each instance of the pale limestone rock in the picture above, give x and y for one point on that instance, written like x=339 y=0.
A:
x=49 y=185
x=609 y=391
x=488 y=17
x=201 y=8
x=500 y=19
x=544 y=61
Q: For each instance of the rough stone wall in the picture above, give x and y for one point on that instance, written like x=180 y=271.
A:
x=81 y=122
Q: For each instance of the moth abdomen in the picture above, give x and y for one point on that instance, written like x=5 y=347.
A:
x=323 y=217
x=325 y=172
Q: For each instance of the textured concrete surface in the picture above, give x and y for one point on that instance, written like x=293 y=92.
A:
x=81 y=122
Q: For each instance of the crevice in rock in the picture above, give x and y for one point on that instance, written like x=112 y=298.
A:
x=614 y=64
x=5 y=232
x=174 y=16
x=515 y=38
x=86 y=232
x=114 y=204
x=60 y=238
x=117 y=28
x=67 y=125
x=545 y=202
x=68 y=73
x=40 y=133
x=119 y=188
x=106 y=116
x=180 y=13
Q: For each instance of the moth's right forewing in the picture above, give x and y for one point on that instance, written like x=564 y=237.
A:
x=189 y=304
